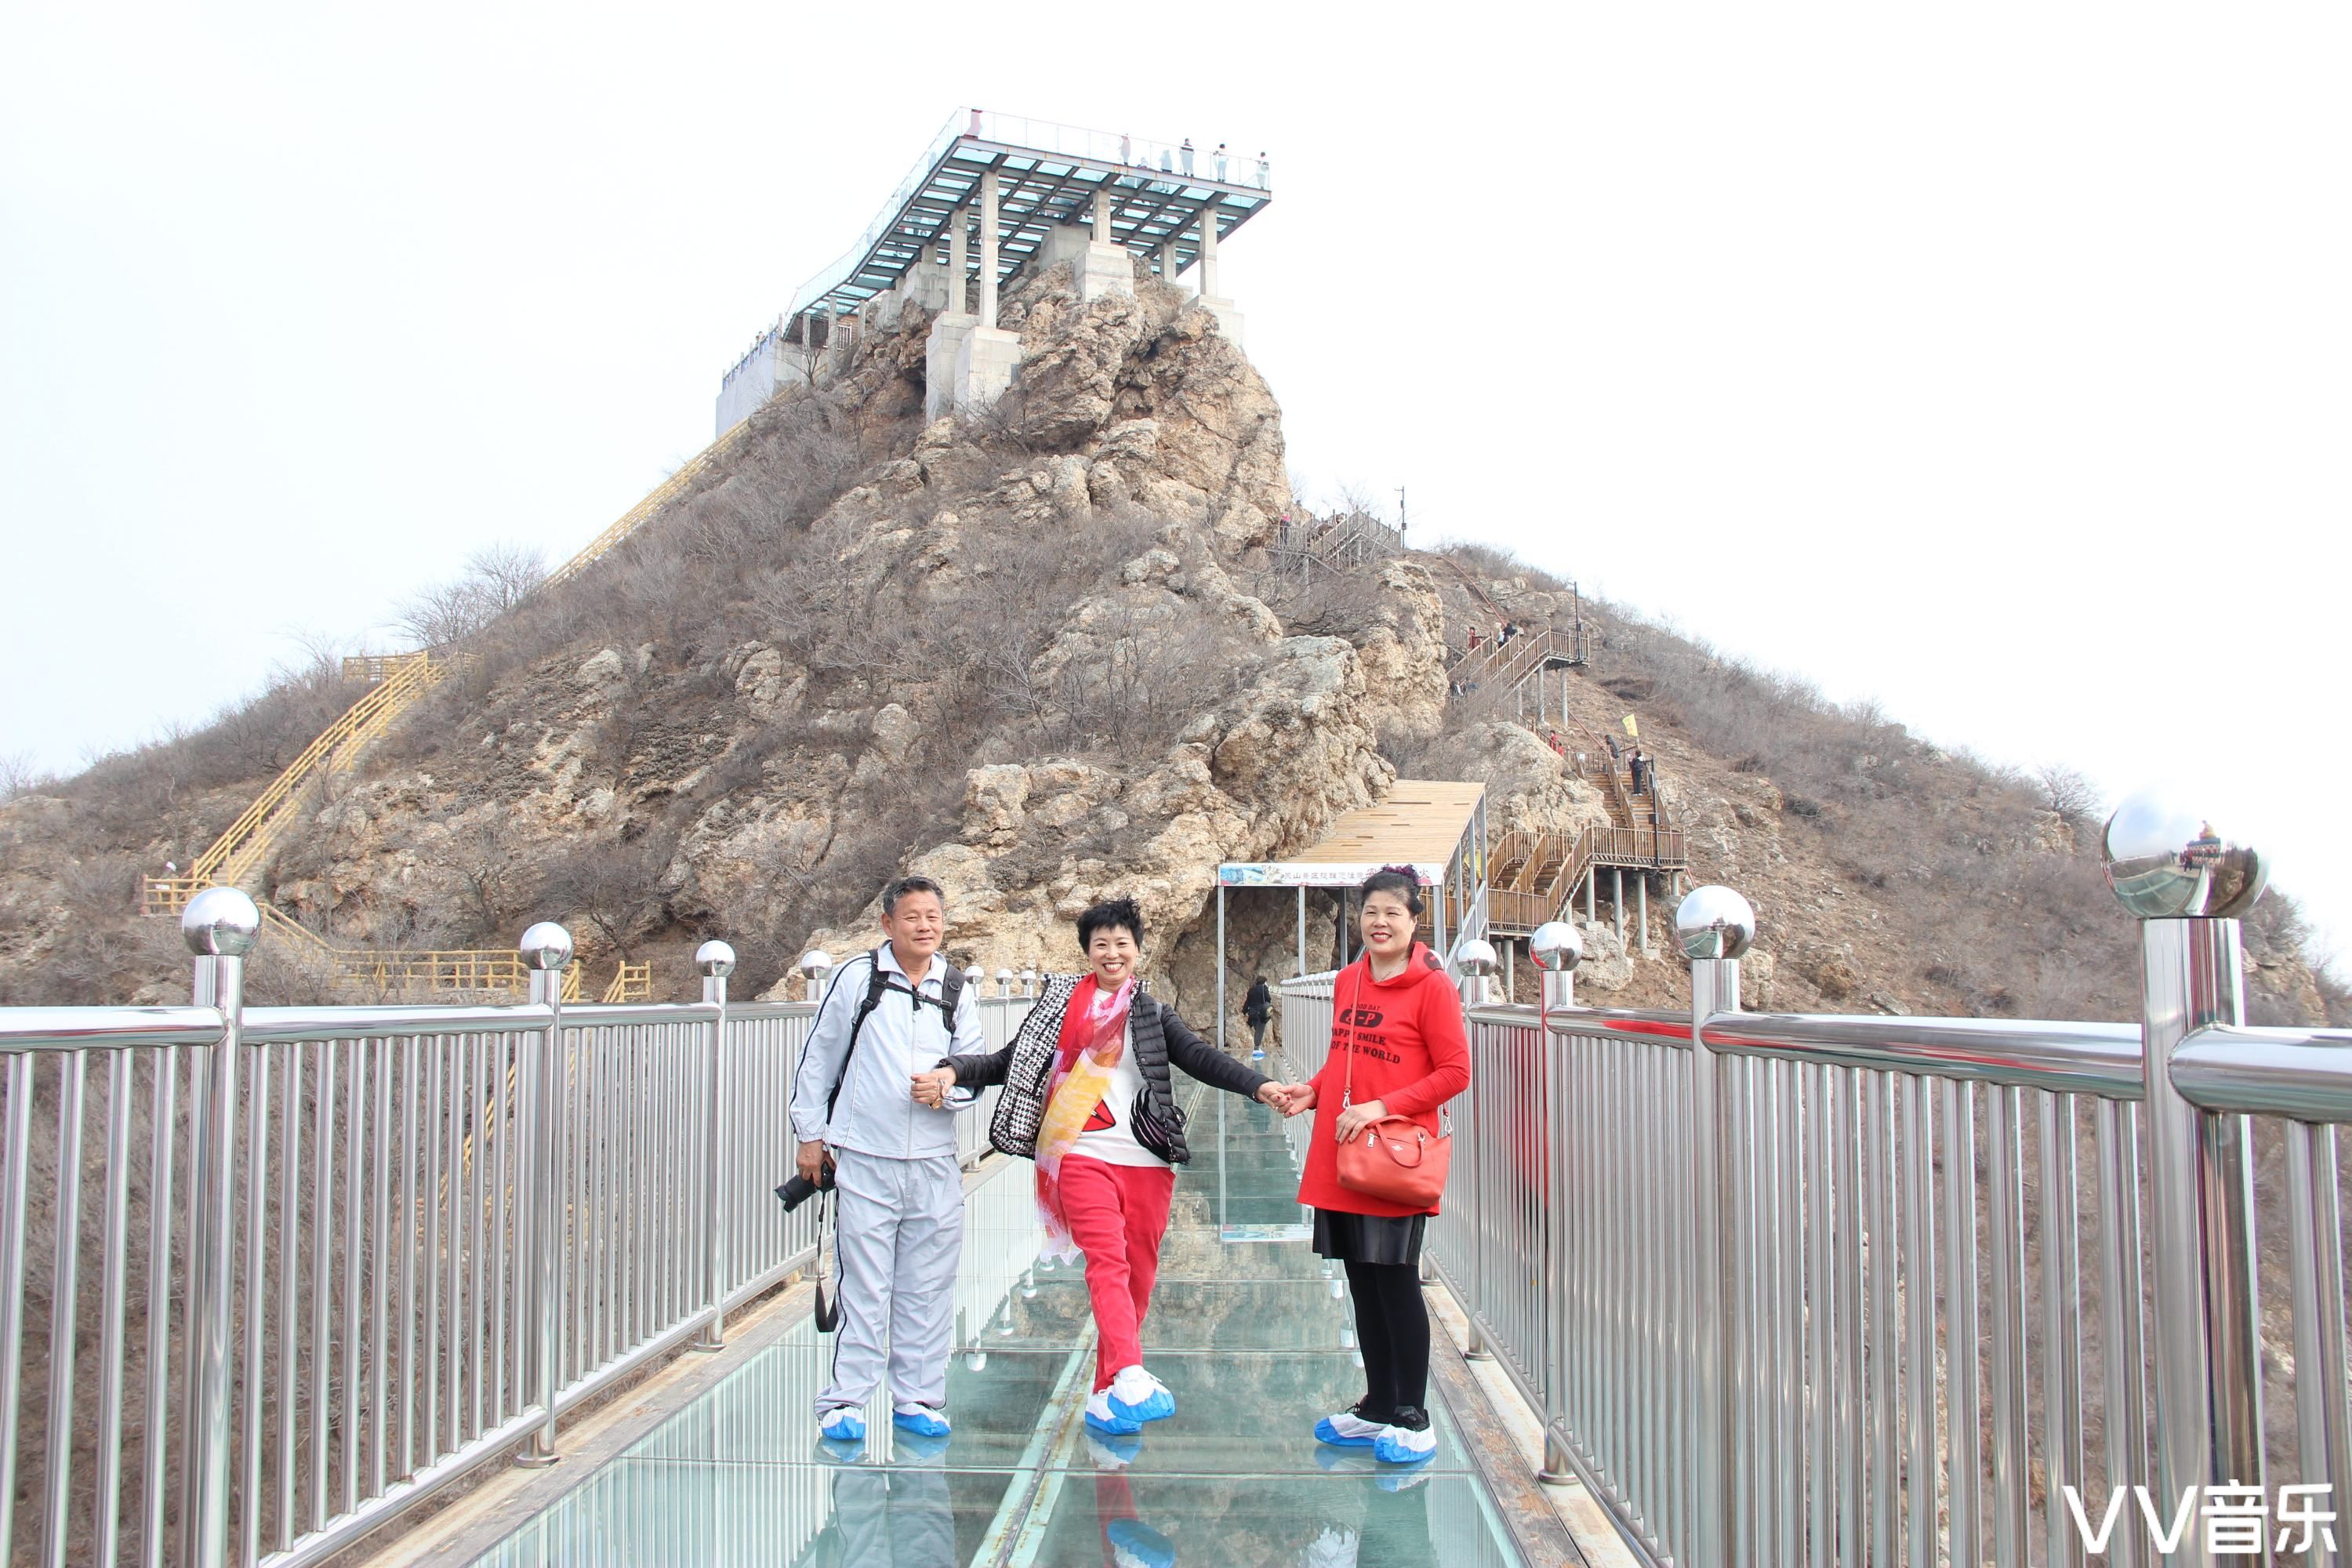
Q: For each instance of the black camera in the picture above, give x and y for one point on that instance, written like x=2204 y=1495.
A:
x=800 y=1189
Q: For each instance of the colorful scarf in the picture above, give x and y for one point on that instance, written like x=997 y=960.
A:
x=1093 y=1038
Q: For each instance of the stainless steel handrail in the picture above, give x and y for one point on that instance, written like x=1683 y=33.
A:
x=2081 y=1058
x=2305 y=1075
x=82 y=1028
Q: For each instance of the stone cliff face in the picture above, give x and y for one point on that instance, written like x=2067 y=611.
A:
x=1016 y=654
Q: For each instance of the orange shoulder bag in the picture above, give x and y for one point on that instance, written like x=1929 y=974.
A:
x=1396 y=1159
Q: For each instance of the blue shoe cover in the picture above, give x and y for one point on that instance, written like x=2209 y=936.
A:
x=1389 y=1451
x=1140 y=1542
x=843 y=1423
x=1118 y=1426
x=1157 y=1405
x=1325 y=1432
x=921 y=1423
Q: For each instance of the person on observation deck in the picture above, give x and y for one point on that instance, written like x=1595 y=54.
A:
x=1398 y=1049
x=899 y=1226
x=1088 y=1096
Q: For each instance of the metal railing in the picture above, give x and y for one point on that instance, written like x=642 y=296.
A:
x=1792 y=1290
x=274 y=1276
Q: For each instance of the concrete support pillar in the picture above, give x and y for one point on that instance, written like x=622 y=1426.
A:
x=1168 y=262
x=1104 y=267
x=958 y=263
x=988 y=248
x=1591 y=891
x=1229 y=320
x=968 y=360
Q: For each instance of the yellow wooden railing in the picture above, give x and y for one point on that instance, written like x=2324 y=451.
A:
x=631 y=982
x=668 y=490
x=240 y=851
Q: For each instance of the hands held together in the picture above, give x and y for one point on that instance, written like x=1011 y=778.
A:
x=1290 y=1099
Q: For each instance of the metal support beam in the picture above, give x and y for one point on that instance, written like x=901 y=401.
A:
x=988 y=219
x=1302 y=929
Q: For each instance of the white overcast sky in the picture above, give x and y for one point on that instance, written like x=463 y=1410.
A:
x=1990 y=360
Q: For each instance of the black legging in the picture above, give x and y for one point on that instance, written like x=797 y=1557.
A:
x=1392 y=1329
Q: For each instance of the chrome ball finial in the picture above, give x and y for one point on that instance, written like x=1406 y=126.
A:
x=1714 y=922
x=1478 y=958
x=815 y=964
x=715 y=958
x=2166 y=860
x=546 y=946
x=1557 y=947
x=221 y=922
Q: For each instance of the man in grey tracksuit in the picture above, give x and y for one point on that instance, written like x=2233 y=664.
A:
x=899 y=1222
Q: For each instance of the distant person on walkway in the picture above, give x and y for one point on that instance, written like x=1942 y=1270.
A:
x=1264 y=172
x=1256 y=1008
x=900 y=1223
x=1510 y=630
x=1641 y=771
x=1613 y=753
x=1221 y=162
x=1185 y=152
x=1088 y=1096
x=1553 y=736
x=1397 y=1050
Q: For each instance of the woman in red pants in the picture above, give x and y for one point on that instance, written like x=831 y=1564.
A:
x=1397 y=1049
x=1087 y=1097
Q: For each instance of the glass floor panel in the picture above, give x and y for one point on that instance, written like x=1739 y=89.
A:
x=1253 y=1336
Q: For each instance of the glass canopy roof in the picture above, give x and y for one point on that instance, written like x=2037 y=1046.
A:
x=1046 y=174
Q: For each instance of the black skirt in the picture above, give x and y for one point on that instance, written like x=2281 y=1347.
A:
x=1368 y=1238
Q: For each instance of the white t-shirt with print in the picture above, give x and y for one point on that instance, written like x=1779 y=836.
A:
x=1107 y=1135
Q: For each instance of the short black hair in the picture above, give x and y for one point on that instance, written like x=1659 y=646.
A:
x=1402 y=880
x=899 y=888
x=1109 y=915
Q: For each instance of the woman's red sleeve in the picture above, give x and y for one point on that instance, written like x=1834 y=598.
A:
x=1440 y=1019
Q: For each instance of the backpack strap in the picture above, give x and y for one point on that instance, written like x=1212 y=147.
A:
x=877 y=982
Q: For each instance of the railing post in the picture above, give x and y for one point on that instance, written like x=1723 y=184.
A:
x=718 y=962
x=220 y=926
x=1715 y=926
x=546 y=949
x=2187 y=885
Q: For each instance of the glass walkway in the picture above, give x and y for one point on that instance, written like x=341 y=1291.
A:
x=1246 y=1328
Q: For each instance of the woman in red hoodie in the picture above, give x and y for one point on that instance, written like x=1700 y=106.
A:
x=1398 y=1020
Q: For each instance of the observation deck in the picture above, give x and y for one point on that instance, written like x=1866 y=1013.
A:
x=992 y=195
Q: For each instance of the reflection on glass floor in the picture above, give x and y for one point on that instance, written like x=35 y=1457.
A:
x=1252 y=1335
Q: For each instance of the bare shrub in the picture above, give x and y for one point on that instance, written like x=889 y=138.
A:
x=497 y=578
x=615 y=888
x=19 y=775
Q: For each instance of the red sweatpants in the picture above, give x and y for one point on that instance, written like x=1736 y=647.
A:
x=1117 y=1215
